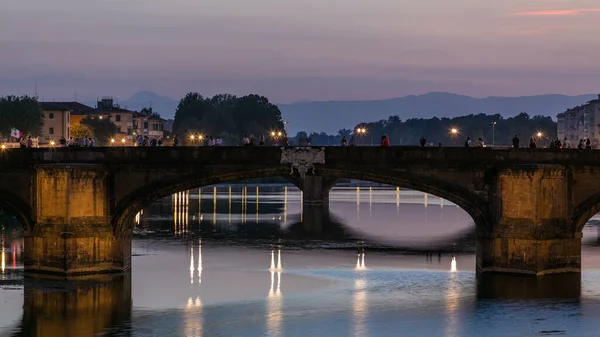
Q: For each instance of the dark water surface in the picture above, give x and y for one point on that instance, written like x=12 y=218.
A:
x=202 y=268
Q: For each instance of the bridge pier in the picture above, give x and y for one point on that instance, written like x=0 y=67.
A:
x=72 y=233
x=315 y=189
x=533 y=233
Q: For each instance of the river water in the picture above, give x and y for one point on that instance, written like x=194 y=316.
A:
x=233 y=262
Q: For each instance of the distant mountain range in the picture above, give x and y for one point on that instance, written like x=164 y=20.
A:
x=331 y=116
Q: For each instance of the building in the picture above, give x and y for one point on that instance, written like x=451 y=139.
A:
x=150 y=126
x=581 y=122
x=122 y=118
x=59 y=117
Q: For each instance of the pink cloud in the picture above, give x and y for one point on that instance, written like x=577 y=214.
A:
x=564 y=12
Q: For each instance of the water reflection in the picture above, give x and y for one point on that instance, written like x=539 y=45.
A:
x=359 y=306
x=194 y=316
x=526 y=287
x=83 y=307
x=453 y=268
x=452 y=302
x=181 y=202
x=274 y=304
x=360 y=262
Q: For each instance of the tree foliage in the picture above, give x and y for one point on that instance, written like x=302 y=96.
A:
x=437 y=130
x=23 y=113
x=227 y=114
x=80 y=131
x=103 y=129
x=149 y=112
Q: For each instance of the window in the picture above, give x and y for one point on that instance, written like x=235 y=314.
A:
x=146 y=124
x=51 y=115
x=155 y=127
x=129 y=131
x=117 y=118
x=51 y=131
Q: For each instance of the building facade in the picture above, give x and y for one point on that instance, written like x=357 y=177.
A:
x=581 y=122
x=122 y=118
x=59 y=117
x=150 y=126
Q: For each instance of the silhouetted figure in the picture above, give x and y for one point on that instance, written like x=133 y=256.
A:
x=532 y=144
x=423 y=141
x=515 y=142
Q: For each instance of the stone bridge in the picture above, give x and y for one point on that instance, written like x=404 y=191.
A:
x=77 y=205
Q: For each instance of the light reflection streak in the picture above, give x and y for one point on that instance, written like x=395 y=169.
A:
x=138 y=217
x=3 y=263
x=192 y=264
x=452 y=301
x=215 y=205
x=256 y=217
x=14 y=257
x=194 y=320
x=397 y=200
x=274 y=313
x=425 y=199
x=360 y=262
x=359 y=307
x=277 y=266
x=357 y=202
x=3 y=266
x=181 y=212
x=453 y=268
x=285 y=204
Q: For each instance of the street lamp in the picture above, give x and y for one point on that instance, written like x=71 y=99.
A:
x=112 y=141
x=453 y=134
x=493 y=134
x=3 y=147
x=52 y=143
x=362 y=132
x=539 y=134
x=123 y=141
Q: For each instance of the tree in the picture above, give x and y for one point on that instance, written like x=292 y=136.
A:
x=192 y=106
x=225 y=113
x=81 y=131
x=104 y=129
x=23 y=113
x=437 y=130
x=149 y=112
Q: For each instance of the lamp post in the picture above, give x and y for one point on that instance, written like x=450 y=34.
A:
x=493 y=134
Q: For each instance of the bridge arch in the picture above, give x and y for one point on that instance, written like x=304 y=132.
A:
x=130 y=205
x=585 y=211
x=18 y=208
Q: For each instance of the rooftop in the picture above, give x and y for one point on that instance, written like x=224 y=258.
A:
x=75 y=107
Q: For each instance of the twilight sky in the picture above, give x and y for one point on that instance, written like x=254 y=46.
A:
x=291 y=50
